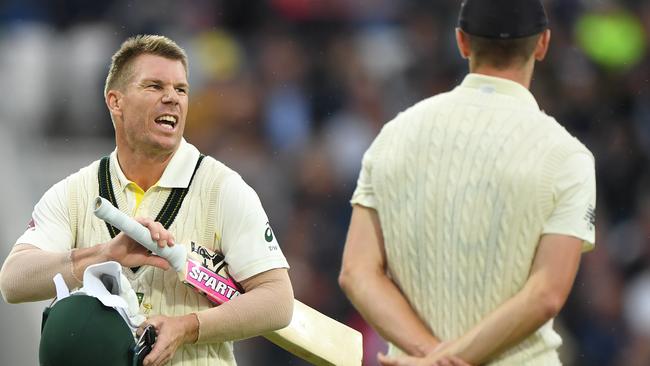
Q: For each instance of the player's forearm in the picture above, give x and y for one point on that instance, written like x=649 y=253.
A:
x=385 y=308
x=509 y=324
x=28 y=272
x=266 y=305
x=545 y=292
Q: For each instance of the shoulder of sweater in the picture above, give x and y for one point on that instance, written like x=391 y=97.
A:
x=563 y=143
x=89 y=170
x=407 y=115
x=214 y=169
x=214 y=164
x=561 y=137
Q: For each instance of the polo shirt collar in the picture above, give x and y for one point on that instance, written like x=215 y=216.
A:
x=178 y=172
x=500 y=86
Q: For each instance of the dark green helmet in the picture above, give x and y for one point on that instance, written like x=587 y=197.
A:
x=79 y=330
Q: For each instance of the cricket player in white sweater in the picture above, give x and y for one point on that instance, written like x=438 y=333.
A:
x=472 y=209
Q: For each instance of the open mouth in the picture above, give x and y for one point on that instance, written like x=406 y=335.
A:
x=166 y=120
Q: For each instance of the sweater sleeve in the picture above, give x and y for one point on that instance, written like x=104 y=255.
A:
x=574 y=192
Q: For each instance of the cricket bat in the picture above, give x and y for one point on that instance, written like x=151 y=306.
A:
x=311 y=335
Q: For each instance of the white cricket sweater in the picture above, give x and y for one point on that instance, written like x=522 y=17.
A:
x=463 y=186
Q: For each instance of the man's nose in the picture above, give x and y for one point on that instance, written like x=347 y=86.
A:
x=170 y=96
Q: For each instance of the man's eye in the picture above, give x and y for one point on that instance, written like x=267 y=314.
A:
x=154 y=86
x=181 y=90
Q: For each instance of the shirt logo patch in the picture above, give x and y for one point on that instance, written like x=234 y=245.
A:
x=268 y=233
x=31 y=225
x=590 y=217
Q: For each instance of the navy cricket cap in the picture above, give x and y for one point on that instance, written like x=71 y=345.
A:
x=502 y=19
x=79 y=331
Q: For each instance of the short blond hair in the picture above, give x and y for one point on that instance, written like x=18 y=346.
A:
x=121 y=71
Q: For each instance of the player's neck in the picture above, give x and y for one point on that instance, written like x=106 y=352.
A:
x=521 y=75
x=142 y=169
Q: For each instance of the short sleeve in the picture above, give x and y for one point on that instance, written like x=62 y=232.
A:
x=364 y=193
x=247 y=239
x=575 y=201
x=49 y=228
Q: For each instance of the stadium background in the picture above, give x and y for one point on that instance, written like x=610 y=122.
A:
x=291 y=92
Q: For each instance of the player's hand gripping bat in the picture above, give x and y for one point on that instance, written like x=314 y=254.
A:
x=311 y=335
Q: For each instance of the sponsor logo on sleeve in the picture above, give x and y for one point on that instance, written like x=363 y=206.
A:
x=268 y=236
x=31 y=225
x=268 y=233
x=590 y=217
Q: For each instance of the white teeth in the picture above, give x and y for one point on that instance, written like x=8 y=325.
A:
x=167 y=118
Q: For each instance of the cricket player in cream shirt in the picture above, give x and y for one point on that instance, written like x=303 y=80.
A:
x=472 y=209
x=181 y=196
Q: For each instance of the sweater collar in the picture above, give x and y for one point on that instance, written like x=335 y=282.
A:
x=492 y=84
x=178 y=172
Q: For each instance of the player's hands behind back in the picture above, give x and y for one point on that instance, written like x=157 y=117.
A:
x=435 y=357
x=420 y=361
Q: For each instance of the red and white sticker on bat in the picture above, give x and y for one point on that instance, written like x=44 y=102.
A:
x=215 y=287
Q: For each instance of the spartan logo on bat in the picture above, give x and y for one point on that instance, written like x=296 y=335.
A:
x=216 y=259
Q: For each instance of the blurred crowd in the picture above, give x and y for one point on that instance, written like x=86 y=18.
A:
x=290 y=93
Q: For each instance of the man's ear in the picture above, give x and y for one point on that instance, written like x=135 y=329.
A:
x=542 y=45
x=114 y=102
x=462 y=41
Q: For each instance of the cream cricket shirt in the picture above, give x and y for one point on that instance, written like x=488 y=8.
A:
x=464 y=184
x=220 y=212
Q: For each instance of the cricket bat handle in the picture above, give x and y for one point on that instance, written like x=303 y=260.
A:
x=176 y=255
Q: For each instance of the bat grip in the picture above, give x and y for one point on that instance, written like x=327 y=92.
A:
x=176 y=255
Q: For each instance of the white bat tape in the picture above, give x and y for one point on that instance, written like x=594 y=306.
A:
x=175 y=255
